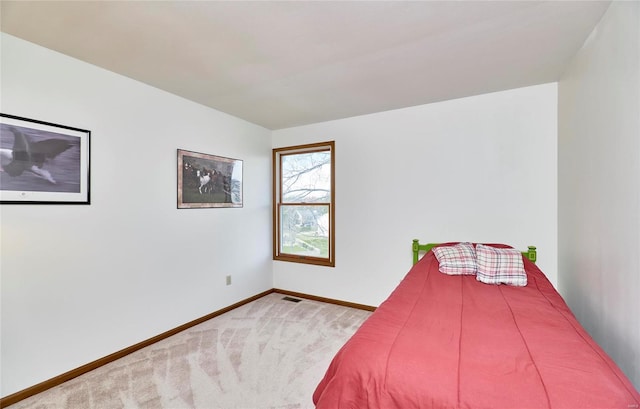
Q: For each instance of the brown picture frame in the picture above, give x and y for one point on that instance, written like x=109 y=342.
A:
x=208 y=181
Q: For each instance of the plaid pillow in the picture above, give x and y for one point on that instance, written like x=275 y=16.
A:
x=498 y=265
x=459 y=259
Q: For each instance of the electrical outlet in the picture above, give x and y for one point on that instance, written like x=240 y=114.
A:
x=228 y=280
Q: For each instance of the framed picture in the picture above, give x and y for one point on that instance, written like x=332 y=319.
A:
x=42 y=162
x=208 y=181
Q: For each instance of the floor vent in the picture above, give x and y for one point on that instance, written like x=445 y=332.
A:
x=291 y=299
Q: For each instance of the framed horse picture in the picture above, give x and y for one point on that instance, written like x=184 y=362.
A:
x=206 y=181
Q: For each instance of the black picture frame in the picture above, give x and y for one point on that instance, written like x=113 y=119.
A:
x=208 y=181
x=43 y=162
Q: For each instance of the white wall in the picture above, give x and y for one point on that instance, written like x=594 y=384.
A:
x=599 y=185
x=81 y=282
x=481 y=169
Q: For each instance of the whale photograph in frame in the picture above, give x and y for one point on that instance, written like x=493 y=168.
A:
x=43 y=162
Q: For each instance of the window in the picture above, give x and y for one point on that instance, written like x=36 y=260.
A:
x=303 y=204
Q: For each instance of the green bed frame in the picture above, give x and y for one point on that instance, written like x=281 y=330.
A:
x=531 y=254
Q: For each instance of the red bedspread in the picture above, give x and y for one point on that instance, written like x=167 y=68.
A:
x=445 y=341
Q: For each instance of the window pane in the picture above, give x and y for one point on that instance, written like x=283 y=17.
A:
x=306 y=177
x=303 y=206
x=304 y=230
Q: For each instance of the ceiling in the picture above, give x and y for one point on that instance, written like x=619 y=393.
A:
x=287 y=63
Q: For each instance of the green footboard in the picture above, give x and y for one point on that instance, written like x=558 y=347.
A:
x=418 y=248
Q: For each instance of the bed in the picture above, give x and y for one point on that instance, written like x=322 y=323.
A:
x=451 y=341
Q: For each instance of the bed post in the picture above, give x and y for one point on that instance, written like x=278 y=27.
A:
x=416 y=248
x=532 y=254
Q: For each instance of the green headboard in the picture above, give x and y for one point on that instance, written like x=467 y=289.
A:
x=531 y=254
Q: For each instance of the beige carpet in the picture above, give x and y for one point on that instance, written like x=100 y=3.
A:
x=270 y=353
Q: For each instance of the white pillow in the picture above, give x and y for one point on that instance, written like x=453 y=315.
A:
x=500 y=266
x=459 y=259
